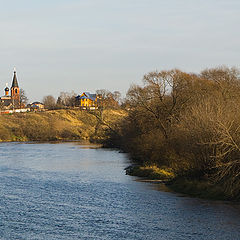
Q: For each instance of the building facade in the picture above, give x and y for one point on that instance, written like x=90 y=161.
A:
x=11 y=101
x=87 y=100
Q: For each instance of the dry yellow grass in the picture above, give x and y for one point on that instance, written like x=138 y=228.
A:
x=51 y=125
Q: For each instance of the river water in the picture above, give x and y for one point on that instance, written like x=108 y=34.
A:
x=78 y=191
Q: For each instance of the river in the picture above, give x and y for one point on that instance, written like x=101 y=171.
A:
x=79 y=191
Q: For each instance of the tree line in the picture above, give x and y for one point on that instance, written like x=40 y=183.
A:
x=67 y=100
x=186 y=121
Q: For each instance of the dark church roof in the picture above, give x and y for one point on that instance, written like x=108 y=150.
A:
x=15 y=82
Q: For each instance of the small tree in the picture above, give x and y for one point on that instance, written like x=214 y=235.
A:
x=23 y=98
x=108 y=99
x=117 y=96
x=66 y=99
x=49 y=102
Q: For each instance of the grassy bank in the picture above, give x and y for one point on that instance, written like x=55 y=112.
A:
x=55 y=125
x=151 y=172
x=198 y=188
x=61 y=125
x=193 y=187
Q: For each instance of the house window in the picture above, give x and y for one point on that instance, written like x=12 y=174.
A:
x=16 y=91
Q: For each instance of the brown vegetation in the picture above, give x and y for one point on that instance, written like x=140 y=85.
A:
x=187 y=122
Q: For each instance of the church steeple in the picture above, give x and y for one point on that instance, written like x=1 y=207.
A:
x=14 y=82
x=15 y=90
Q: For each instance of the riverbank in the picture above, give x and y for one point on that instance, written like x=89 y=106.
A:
x=192 y=187
x=56 y=125
x=76 y=125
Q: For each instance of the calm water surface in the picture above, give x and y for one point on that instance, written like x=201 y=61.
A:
x=72 y=191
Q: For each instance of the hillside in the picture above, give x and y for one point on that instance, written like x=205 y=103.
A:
x=56 y=125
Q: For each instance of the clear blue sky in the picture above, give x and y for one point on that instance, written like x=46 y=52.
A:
x=65 y=45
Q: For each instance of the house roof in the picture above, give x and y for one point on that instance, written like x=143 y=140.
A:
x=87 y=95
x=37 y=103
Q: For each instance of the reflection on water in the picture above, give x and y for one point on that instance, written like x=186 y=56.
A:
x=72 y=191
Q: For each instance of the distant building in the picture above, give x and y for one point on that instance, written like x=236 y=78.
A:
x=11 y=101
x=36 y=106
x=87 y=100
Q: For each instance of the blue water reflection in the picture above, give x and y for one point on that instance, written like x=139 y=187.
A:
x=79 y=191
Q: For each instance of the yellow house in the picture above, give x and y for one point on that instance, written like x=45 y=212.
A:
x=87 y=100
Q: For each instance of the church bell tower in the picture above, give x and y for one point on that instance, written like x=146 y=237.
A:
x=15 y=89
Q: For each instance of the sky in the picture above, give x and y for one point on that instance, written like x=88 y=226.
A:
x=85 y=45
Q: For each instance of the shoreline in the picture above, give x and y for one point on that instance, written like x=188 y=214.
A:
x=151 y=174
x=197 y=188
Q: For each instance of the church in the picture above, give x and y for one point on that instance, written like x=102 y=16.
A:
x=11 y=101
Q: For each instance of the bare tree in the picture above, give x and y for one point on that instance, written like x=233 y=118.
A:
x=108 y=99
x=163 y=97
x=49 y=102
x=23 y=98
x=66 y=99
x=117 y=96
